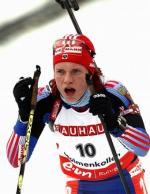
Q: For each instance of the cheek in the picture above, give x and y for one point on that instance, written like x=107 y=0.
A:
x=58 y=81
x=82 y=85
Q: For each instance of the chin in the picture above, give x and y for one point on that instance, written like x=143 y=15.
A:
x=71 y=99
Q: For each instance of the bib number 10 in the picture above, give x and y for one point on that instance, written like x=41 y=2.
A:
x=86 y=150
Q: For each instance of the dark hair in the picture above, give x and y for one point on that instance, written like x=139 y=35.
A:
x=97 y=81
x=96 y=78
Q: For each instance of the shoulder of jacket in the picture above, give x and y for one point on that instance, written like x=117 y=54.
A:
x=119 y=90
x=43 y=92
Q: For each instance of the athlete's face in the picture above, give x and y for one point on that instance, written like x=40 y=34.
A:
x=70 y=80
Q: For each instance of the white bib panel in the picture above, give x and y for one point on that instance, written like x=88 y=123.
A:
x=83 y=147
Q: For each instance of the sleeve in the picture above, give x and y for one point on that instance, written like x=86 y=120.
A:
x=133 y=136
x=15 y=144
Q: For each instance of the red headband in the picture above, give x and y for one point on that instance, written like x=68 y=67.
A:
x=75 y=48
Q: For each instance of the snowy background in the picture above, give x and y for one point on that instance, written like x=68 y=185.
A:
x=120 y=31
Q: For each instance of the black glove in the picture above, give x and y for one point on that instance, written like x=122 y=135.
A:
x=22 y=92
x=100 y=104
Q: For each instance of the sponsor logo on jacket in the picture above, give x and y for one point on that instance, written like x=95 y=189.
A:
x=88 y=130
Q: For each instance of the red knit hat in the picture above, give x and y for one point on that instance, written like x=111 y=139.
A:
x=75 y=48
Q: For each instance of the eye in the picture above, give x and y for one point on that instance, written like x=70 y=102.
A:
x=76 y=71
x=60 y=71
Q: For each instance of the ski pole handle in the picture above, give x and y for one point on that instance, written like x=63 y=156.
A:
x=35 y=87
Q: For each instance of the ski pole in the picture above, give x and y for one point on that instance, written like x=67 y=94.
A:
x=69 y=4
x=29 y=127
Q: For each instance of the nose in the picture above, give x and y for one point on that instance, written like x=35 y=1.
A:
x=68 y=78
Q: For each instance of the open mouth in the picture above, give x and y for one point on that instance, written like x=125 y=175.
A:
x=69 y=91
